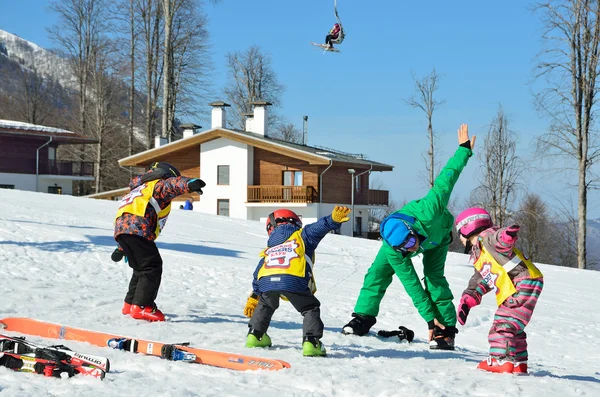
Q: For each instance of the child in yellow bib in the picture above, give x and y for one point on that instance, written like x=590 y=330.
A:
x=515 y=280
x=285 y=270
x=141 y=217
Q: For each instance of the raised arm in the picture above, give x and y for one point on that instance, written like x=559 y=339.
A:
x=439 y=195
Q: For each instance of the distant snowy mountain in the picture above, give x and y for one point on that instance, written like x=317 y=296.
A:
x=18 y=55
x=30 y=56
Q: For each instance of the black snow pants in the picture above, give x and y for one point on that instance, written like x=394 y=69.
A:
x=304 y=302
x=143 y=257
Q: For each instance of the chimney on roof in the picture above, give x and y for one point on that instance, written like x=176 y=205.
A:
x=160 y=141
x=189 y=129
x=305 y=131
x=218 y=119
x=261 y=117
x=249 y=121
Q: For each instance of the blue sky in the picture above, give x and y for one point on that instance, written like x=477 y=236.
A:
x=355 y=100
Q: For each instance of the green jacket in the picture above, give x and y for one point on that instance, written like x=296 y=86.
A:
x=433 y=221
x=432 y=218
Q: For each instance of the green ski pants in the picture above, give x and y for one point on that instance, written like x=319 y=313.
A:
x=433 y=301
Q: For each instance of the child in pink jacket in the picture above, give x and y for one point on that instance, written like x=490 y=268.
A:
x=517 y=283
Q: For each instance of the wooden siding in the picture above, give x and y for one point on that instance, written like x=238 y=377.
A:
x=269 y=167
x=337 y=186
x=18 y=155
x=337 y=182
x=187 y=161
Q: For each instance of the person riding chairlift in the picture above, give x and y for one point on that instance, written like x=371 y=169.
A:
x=334 y=34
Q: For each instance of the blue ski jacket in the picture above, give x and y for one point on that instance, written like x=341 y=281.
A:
x=311 y=235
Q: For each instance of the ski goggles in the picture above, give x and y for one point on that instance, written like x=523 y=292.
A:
x=274 y=222
x=409 y=242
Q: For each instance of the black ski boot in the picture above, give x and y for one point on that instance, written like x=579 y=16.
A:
x=443 y=339
x=359 y=325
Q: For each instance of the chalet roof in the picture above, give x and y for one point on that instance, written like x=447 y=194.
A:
x=313 y=155
x=58 y=134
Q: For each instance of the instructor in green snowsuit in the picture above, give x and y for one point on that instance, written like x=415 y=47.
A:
x=421 y=226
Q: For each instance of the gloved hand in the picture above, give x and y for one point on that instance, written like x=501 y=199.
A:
x=251 y=305
x=340 y=214
x=196 y=185
x=117 y=254
x=431 y=326
x=464 y=307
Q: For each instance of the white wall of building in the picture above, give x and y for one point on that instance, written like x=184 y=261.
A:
x=21 y=181
x=28 y=182
x=308 y=213
x=64 y=183
x=237 y=156
x=359 y=212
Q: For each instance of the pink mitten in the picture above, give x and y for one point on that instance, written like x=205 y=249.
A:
x=509 y=235
x=465 y=305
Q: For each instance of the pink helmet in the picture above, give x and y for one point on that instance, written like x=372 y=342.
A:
x=472 y=221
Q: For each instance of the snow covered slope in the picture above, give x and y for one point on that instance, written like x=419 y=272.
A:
x=55 y=264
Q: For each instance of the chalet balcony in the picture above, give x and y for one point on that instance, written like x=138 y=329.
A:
x=379 y=197
x=282 y=194
x=68 y=168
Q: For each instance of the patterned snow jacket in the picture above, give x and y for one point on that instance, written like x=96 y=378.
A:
x=164 y=192
x=500 y=246
x=311 y=236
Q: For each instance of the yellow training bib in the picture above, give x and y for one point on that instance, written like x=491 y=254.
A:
x=137 y=200
x=287 y=258
x=496 y=276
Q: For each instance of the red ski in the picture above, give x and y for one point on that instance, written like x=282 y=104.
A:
x=40 y=364
x=169 y=351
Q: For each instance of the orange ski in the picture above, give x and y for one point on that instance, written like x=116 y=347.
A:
x=233 y=361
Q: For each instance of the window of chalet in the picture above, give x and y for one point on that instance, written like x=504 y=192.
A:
x=357 y=183
x=55 y=189
x=7 y=186
x=358 y=226
x=222 y=175
x=223 y=207
x=292 y=178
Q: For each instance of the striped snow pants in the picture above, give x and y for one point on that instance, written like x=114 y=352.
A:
x=507 y=336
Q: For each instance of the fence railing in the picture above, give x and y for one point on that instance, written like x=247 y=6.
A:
x=281 y=194
x=63 y=167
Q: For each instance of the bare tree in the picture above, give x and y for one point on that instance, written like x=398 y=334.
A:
x=190 y=65
x=133 y=32
x=127 y=17
x=540 y=236
x=81 y=24
x=151 y=27
x=101 y=102
x=500 y=169
x=288 y=132
x=168 y=10
x=569 y=65
x=36 y=93
x=424 y=100
x=251 y=78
